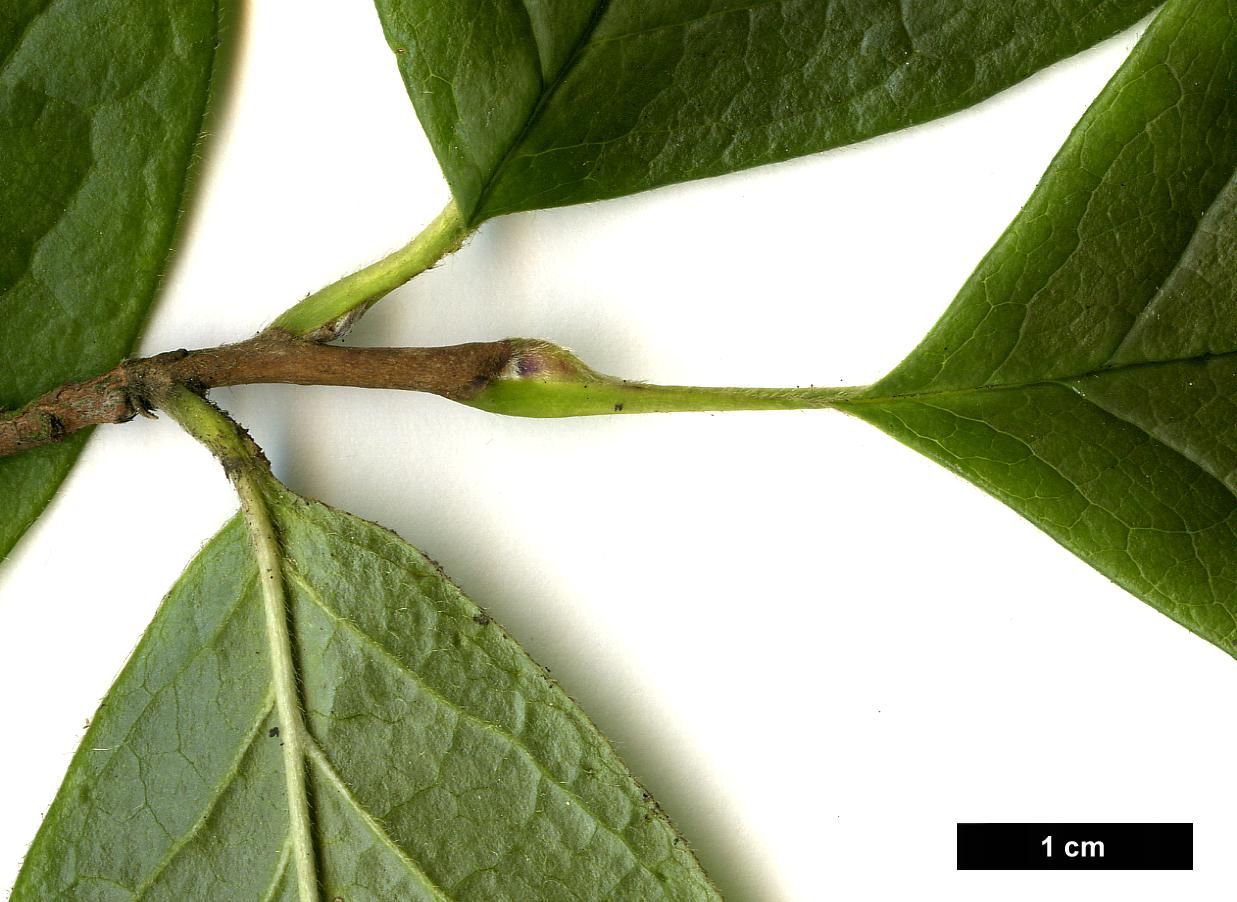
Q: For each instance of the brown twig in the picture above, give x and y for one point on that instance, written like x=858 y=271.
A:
x=457 y=372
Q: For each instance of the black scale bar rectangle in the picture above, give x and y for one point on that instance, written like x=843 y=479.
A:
x=1068 y=847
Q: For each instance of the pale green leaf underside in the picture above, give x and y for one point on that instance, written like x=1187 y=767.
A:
x=100 y=105
x=541 y=103
x=1087 y=372
x=443 y=762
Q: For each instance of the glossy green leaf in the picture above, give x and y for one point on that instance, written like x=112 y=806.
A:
x=442 y=761
x=1086 y=374
x=101 y=103
x=542 y=103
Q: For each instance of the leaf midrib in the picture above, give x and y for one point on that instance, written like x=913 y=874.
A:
x=347 y=625
x=319 y=758
x=866 y=395
x=1069 y=384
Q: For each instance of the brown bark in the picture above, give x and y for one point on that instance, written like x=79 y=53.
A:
x=457 y=372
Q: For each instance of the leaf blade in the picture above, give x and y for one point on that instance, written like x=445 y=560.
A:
x=543 y=104
x=1085 y=374
x=93 y=162
x=1134 y=509
x=443 y=762
x=1118 y=190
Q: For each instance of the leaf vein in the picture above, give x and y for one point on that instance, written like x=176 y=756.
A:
x=212 y=800
x=322 y=761
x=281 y=868
x=510 y=739
x=547 y=94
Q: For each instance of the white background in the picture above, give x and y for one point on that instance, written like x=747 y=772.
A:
x=817 y=649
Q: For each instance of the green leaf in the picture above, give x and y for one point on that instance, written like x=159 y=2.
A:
x=542 y=103
x=442 y=761
x=1086 y=374
x=100 y=106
